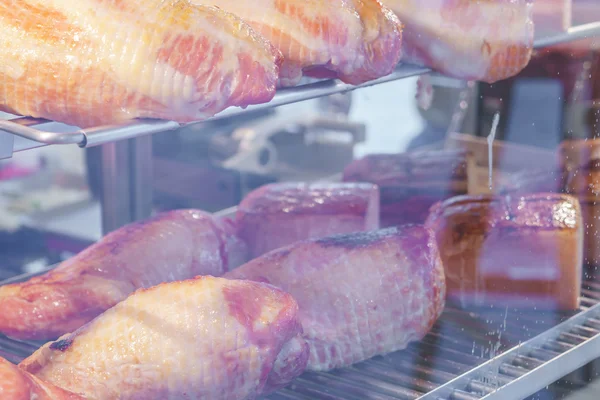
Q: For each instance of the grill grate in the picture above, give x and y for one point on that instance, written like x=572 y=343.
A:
x=468 y=355
x=449 y=362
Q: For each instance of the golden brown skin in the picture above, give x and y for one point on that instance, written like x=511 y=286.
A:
x=16 y=384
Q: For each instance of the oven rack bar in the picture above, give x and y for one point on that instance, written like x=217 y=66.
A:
x=26 y=133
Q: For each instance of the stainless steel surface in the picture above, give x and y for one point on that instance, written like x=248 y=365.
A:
x=126 y=182
x=23 y=127
x=131 y=129
x=141 y=165
x=468 y=355
x=116 y=186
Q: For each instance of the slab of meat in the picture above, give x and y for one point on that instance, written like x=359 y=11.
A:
x=523 y=251
x=205 y=338
x=486 y=40
x=410 y=183
x=94 y=62
x=16 y=384
x=359 y=294
x=171 y=246
x=280 y=214
x=355 y=40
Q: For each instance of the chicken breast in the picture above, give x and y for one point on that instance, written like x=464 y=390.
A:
x=354 y=40
x=16 y=384
x=95 y=62
x=205 y=338
x=171 y=246
x=360 y=294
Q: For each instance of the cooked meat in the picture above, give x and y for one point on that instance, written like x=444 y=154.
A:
x=96 y=62
x=205 y=338
x=171 y=246
x=359 y=294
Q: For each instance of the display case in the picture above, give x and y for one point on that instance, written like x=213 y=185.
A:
x=469 y=353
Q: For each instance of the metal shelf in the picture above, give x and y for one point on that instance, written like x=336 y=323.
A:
x=27 y=133
x=468 y=355
x=38 y=132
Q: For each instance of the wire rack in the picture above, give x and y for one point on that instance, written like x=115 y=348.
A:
x=487 y=354
x=31 y=133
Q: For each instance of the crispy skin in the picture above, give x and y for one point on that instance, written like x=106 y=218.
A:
x=16 y=384
x=174 y=245
x=95 y=62
x=487 y=40
x=354 y=40
x=522 y=251
x=360 y=294
x=280 y=214
x=205 y=338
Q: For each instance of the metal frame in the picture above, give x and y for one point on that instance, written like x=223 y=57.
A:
x=126 y=182
x=536 y=379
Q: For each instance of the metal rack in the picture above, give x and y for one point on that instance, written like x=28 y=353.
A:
x=31 y=131
x=487 y=354
x=468 y=355
x=25 y=133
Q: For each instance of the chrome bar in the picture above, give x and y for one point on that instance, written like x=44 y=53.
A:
x=26 y=131
x=585 y=31
x=116 y=185
x=529 y=381
x=141 y=177
x=129 y=130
